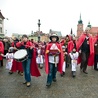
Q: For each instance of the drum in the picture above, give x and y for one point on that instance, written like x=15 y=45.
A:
x=21 y=55
x=54 y=52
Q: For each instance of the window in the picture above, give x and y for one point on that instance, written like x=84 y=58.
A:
x=0 y=30
x=0 y=21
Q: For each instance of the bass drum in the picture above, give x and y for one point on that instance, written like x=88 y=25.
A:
x=21 y=55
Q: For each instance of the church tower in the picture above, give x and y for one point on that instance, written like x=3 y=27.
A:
x=80 y=27
x=89 y=25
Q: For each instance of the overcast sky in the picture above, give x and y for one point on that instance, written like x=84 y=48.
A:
x=60 y=15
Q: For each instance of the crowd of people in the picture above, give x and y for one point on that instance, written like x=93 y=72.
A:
x=56 y=55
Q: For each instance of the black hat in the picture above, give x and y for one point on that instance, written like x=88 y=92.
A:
x=54 y=35
x=11 y=49
x=24 y=36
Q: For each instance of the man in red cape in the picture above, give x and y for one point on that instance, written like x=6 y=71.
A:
x=53 y=59
x=29 y=65
x=95 y=40
x=85 y=46
x=1 y=51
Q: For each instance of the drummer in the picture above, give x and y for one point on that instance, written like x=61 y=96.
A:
x=27 y=64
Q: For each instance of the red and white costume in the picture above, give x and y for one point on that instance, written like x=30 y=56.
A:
x=9 y=60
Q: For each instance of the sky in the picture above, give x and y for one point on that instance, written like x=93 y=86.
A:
x=58 y=15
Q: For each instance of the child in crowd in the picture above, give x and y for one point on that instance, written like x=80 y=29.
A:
x=74 y=56
x=39 y=58
x=9 y=59
x=53 y=59
x=64 y=63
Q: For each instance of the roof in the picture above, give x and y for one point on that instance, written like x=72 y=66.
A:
x=1 y=16
x=57 y=32
x=94 y=30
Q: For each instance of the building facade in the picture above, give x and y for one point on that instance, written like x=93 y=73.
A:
x=1 y=24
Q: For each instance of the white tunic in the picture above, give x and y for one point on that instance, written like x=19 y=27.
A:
x=51 y=58
x=9 y=58
x=64 y=66
x=39 y=58
x=74 y=57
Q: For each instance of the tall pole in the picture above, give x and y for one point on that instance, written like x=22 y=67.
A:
x=39 y=29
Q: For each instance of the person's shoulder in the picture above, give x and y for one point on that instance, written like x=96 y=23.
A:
x=49 y=43
x=77 y=52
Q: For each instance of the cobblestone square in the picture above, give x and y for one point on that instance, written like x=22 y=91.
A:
x=82 y=86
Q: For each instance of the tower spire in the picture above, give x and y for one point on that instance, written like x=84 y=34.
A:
x=80 y=16
x=80 y=20
x=71 y=31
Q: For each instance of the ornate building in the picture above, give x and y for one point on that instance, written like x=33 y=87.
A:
x=93 y=30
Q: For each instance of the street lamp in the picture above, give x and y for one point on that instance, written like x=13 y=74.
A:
x=39 y=30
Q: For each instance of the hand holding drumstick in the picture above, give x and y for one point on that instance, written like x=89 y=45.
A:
x=32 y=47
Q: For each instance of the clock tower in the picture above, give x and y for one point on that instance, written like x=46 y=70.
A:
x=80 y=27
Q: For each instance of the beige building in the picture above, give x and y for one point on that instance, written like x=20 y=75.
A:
x=43 y=37
x=1 y=24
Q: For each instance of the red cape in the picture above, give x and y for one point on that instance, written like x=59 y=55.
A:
x=34 y=68
x=63 y=41
x=70 y=46
x=91 y=43
x=1 y=49
x=95 y=39
x=12 y=44
x=61 y=58
x=16 y=65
